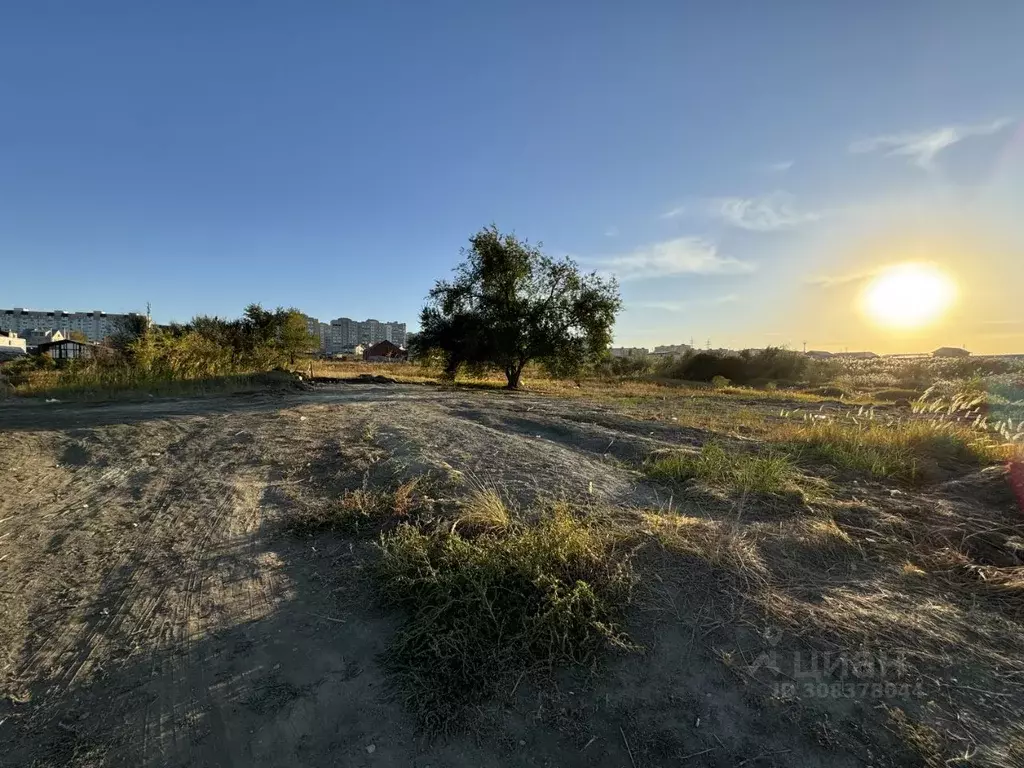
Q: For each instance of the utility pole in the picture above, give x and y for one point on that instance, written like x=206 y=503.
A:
x=805 y=346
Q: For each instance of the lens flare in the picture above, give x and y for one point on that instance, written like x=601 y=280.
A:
x=908 y=296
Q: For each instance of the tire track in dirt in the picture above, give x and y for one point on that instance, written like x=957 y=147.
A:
x=125 y=579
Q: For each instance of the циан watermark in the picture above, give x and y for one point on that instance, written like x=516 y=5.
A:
x=867 y=673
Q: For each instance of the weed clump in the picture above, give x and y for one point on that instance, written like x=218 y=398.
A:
x=359 y=512
x=482 y=612
x=768 y=473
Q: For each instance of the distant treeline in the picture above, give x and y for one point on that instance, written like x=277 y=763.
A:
x=204 y=348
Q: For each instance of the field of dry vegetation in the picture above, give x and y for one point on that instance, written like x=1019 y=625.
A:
x=620 y=572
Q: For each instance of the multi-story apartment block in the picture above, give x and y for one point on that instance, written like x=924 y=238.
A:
x=345 y=333
x=629 y=351
x=95 y=325
x=395 y=333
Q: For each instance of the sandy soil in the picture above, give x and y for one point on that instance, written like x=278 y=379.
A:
x=156 y=610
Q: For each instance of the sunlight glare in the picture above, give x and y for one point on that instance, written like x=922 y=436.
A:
x=908 y=295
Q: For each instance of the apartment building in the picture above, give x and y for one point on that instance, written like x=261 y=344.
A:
x=670 y=350
x=629 y=351
x=346 y=332
x=96 y=325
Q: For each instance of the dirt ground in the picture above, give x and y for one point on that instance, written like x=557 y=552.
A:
x=155 y=608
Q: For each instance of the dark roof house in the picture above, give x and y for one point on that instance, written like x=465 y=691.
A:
x=69 y=349
x=384 y=351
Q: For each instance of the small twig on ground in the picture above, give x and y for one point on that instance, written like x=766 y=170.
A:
x=698 y=754
x=630 y=751
x=328 y=618
x=762 y=755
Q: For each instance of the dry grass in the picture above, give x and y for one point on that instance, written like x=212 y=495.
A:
x=483 y=512
x=361 y=512
x=100 y=385
x=483 y=612
x=726 y=546
x=910 y=450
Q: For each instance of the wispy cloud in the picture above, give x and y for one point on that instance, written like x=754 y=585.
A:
x=834 y=281
x=779 y=167
x=768 y=213
x=681 y=256
x=683 y=306
x=611 y=232
x=922 y=148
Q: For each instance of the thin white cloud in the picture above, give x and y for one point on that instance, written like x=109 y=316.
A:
x=834 y=281
x=611 y=232
x=922 y=148
x=681 y=256
x=683 y=306
x=779 y=167
x=768 y=213
x=679 y=210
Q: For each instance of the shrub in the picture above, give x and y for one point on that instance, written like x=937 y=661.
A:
x=635 y=365
x=746 y=367
x=483 y=611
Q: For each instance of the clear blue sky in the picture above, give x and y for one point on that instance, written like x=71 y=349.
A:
x=740 y=165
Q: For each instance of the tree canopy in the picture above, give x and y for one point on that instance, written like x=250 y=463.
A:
x=509 y=303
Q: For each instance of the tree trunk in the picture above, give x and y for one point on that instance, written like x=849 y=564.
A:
x=513 y=374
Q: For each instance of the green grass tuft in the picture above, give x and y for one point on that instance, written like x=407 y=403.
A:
x=739 y=472
x=482 y=612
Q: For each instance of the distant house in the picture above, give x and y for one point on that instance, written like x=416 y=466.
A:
x=36 y=336
x=819 y=354
x=68 y=349
x=355 y=350
x=950 y=352
x=11 y=345
x=384 y=352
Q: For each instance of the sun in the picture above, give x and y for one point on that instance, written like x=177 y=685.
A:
x=909 y=295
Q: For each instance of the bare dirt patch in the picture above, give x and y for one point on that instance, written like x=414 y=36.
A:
x=161 y=605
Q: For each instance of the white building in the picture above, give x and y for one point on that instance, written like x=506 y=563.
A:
x=96 y=325
x=11 y=345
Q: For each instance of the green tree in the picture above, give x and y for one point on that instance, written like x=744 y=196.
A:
x=509 y=303
x=128 y=331
x=294 y=338
x=260 y=326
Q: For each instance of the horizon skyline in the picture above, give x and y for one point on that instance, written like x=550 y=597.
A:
x=707 y=344
x=746 y=177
